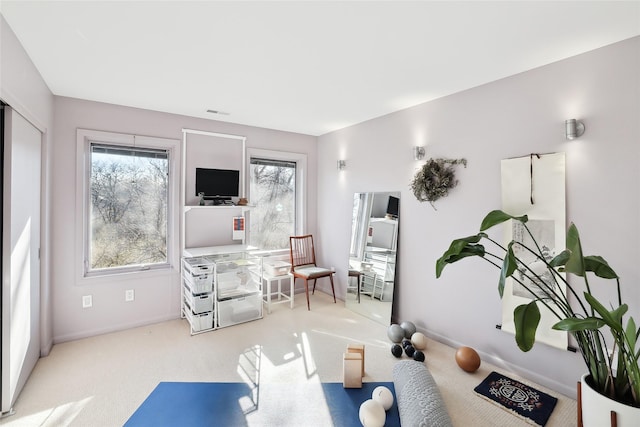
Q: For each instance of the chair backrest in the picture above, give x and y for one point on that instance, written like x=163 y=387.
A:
x=301 y=250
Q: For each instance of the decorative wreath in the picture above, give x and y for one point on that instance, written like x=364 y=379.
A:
x=434 y=179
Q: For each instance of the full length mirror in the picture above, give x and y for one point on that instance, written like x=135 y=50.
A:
x=372 y=255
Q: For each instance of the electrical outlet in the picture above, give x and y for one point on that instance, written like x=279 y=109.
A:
x=87 y=301
x=129 y=295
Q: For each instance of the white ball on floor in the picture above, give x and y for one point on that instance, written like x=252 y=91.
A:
x=419 y=340
x=383 y=396
x=372 y=414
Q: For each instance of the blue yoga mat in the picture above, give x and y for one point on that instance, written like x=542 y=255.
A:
x=216 y=404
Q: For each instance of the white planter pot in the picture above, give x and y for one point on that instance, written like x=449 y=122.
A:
x=596 y=409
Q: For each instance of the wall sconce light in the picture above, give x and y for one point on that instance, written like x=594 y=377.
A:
x=418 y=153
x=342 y=164
x=573 y=128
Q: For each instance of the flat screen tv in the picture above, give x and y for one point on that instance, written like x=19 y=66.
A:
x=217 y=184
x=392 y=206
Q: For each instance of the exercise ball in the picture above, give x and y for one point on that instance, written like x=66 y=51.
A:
x=418 y=356
x=383 y=396
x=372 y=414
x=395 y=333
x=419 y=341
x=405 y=342
x=468 y=359
x=396 y=350
x=409 y=328
x=409 y=350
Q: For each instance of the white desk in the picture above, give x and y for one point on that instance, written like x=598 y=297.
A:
x=216 y=250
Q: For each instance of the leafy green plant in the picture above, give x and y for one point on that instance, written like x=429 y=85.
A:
x=613 y=367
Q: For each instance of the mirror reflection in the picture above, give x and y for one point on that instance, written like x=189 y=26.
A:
x=372 y=255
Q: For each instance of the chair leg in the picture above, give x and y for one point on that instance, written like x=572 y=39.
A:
x=333 y=289
x=314 y=287
x=306 y=290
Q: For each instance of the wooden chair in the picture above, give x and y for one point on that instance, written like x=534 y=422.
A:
x=303 y=264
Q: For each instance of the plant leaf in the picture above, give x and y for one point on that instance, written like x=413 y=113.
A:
x=509 y=265
x=459 y=249
x=573 y=324
x=526 y=318
x=632 y=334
x=613 y=319
x=560 y=259
x=497 y=217
x=599 y=267
x=575 y=263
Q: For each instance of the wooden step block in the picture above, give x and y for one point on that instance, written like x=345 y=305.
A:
x=352 y=370
x=357 y=348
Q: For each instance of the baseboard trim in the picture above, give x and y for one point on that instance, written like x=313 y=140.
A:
x=519 y=370
x=113 y=328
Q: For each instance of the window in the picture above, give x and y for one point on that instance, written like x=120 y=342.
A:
x=127 y=214
x=276 y=192
x=359 y=225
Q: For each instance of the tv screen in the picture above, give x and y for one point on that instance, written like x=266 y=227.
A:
x=393 y=206
x=217 y=183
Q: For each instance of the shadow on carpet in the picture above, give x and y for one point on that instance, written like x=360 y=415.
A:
x=189 y=404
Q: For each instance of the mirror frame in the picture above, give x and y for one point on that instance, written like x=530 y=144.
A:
x=373 y=255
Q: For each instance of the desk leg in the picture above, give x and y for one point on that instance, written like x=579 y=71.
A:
x=291 y=291
x=268 y=295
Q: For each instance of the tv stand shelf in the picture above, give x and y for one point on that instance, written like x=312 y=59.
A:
x=243 y=208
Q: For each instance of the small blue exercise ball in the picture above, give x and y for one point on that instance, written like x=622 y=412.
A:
x=418 y=356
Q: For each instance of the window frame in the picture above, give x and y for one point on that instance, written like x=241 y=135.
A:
x=300 y=159
x=83 y=199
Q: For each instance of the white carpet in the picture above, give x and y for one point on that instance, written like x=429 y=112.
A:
x=100 y=381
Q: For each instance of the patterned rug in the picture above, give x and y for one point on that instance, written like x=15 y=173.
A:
x=530 y=404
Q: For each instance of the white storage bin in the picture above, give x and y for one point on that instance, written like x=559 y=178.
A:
x=238 y=310
x=199 y=284
x=199 y=322
x=276 y=268
x=197 y=266
x=199 y=303
x=228 y=281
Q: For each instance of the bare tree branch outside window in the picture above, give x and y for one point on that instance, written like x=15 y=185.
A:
x=129 y=191
x=273 y=192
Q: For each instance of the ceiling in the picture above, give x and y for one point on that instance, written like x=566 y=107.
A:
x=303 y=66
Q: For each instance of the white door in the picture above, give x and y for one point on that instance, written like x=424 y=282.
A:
x=20 y=255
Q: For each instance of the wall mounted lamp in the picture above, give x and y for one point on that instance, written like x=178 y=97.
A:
x=573 y=128
x=342 y=164
x=418 y=153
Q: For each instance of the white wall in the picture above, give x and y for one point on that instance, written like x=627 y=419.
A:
x=512 y=117
x=157 y=296
x=22 y=87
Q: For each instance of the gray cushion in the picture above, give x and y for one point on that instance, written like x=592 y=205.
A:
x=418 y=397
x=311 y=271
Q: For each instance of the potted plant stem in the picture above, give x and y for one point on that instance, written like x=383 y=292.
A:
x=608 y=345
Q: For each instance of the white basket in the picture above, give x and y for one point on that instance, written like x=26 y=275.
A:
x=197 y=266
x=199 y=284
x=276 y=268
x=199 y=322
x=239 y=310
x=199 y=303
